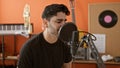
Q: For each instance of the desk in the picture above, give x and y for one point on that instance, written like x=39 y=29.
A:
x=92 y=64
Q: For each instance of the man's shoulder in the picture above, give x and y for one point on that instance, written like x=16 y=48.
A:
x=34 y=39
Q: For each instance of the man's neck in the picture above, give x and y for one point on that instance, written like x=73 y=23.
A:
x=50 y=37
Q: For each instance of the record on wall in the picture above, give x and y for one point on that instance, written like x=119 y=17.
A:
x=108 y=18
x=109 y=13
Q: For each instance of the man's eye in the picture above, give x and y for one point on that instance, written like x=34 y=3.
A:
x=59 y=22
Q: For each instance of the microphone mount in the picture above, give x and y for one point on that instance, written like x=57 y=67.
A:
x=88 y=39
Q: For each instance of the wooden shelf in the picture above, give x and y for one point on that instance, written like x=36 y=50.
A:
x=93 y=61
x=9 y=58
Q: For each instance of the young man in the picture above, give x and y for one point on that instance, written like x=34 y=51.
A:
x=46 y=50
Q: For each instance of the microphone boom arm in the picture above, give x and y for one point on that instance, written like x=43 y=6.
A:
x=89 y=41
x=95 y=52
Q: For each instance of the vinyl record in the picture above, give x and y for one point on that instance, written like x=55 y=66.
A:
x=108 y=18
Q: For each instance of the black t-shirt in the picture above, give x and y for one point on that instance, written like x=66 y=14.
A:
x=38 y=53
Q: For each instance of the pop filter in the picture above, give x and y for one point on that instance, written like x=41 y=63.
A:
x=66 y=31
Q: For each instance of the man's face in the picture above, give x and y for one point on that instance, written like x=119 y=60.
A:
x=56 y=22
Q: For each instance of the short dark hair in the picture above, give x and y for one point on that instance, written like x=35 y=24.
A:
x=53 y=9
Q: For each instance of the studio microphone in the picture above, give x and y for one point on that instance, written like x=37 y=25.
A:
x=75 y=36
x=74 y=42
x=69 y=35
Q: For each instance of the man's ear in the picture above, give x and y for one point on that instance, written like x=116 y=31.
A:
x=44 y=24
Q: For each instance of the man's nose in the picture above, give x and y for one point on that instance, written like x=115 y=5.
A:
x=62 y=23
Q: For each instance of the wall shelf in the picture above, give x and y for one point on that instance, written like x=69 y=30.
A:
x=12 y=30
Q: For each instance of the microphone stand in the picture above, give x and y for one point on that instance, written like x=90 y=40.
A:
x=89 y=41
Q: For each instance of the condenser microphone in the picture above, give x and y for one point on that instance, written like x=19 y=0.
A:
x=68 y=36
x=75 y=36
x=74 y=42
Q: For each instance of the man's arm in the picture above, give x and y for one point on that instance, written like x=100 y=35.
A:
x=25 y=58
